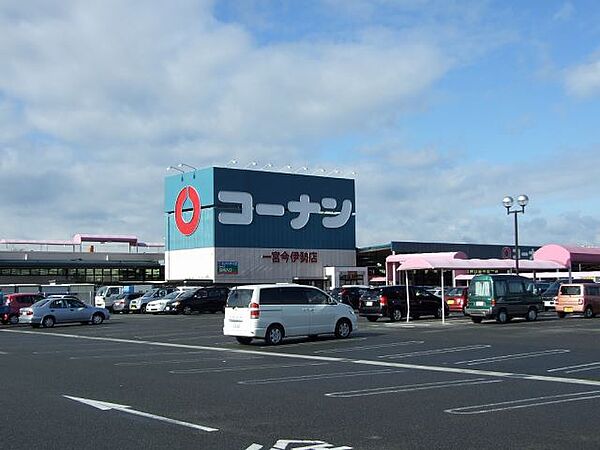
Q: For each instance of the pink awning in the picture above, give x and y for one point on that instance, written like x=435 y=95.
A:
x=568 y=254
x=421 y=263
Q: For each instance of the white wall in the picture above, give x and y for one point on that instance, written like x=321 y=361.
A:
x=253 y=267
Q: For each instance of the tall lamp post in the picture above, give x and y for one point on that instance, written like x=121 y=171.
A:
x=508 y=202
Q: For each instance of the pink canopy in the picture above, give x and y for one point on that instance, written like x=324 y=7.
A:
x=568 y=254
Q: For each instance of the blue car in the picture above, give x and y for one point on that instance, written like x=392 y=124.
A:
x=50 y=311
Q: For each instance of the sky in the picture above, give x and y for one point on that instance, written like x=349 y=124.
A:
x=437 y=108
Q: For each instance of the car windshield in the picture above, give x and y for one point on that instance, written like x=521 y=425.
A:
x=150 y=293
x=239 y=298
x=173 y=295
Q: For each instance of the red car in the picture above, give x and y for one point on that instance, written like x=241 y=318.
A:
x=9 y=309
x=456 y=298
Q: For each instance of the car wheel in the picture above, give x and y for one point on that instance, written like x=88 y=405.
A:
x=48 y=322
x=274 y=335
x=343 y=329
x=438 y=312
x=143 y=309
x=187 y=310
x=502 y=316
x=97 y=319
x=372 y=318
x=476 y=319
x=244 y=340
x=588 y=313
x=13 y=320
x=531 y=315
x=396 y=315
x=560 y=314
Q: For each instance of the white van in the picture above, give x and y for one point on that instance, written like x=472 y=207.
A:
x=274 y=311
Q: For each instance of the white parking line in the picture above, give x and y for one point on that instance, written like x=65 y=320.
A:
x=410 y=388
x=321 y=376
x=115 y=355
x=423 y=367
x=578 y=368
x=492 y=359
x=437 y=351
x=183 y=361
x=244 y=368
x=369 y=347
x=524 y=403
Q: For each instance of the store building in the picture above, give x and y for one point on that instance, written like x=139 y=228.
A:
x=86 y=258
x=235 y=226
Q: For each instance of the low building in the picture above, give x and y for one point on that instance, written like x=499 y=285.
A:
x=86 y=258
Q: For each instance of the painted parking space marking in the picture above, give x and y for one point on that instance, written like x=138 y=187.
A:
x=438 y=351
x=410 y=388
x=379 y=363
x=524 y=403
x=370 y=347
x=292 y=444
x=493 y=359
x=244 y=368
x=185 y=361
x=113 y=355
x=105 y=406
x=321 y=376
x=577 y=368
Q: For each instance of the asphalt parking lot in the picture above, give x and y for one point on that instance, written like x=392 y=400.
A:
x=143 y=381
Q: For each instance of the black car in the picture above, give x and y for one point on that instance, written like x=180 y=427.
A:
x=350 y=295
x=204 y=299
x=390 y=301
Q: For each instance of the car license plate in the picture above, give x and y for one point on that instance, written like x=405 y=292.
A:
x=479 y=303
x=568 y=309
x=369 y=303
x=450 y=302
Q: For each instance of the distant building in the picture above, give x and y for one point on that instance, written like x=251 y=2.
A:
x=87 y=258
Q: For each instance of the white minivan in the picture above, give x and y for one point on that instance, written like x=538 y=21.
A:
x=274 y=311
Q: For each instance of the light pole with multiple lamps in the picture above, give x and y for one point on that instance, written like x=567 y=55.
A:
x=508 y=202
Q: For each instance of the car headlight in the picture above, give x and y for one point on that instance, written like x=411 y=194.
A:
x=175 y=303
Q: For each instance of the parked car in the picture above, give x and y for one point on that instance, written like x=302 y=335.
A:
x=550 y=295
x=390 y=301
x=274 y=311
x=12 y=304
x=139 y=304
x=50 y=311
x=456 y=299
x=205 y=299
x=158 y=306
x=349 y=294
x=578 y=298
x=121 y=303
x=538 y=287
x=502 y=297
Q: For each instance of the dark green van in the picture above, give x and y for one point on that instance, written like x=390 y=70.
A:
x=502 y=297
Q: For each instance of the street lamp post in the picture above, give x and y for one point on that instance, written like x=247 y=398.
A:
x=508 y=202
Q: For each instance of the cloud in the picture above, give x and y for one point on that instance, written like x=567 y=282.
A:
x=565 y=12
x=584 y=80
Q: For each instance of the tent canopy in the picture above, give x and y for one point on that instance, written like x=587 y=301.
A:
x=568 y=254
x=420 y=262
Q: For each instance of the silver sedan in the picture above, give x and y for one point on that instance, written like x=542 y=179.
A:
x=50 y=311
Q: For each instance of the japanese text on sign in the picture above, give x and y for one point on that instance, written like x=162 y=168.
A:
x=303 y=208
x=293 y=257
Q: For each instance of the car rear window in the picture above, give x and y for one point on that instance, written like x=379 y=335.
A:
x=41 y=302
x=570 y=290
x=454 y=291
x=239 y=298
x=480 y=288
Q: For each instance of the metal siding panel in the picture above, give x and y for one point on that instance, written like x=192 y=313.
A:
x=204 y=236
x=279 y=188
